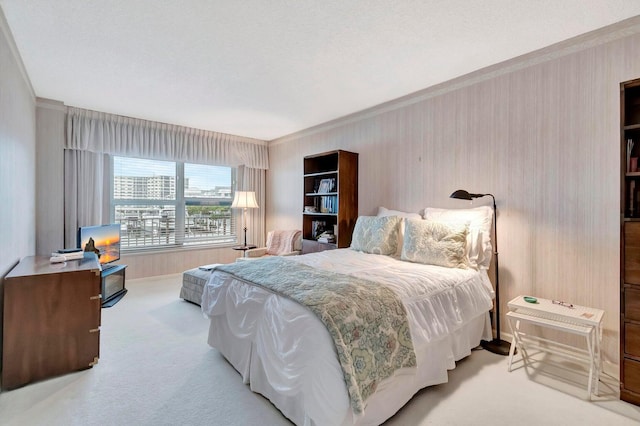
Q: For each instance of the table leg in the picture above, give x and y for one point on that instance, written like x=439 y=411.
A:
x=592 y=356
x=598 y=342
x=514 y=341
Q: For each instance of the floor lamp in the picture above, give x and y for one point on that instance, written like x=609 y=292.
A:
x=497 y=346
x=244 y=200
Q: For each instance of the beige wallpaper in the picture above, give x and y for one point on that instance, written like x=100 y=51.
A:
x=17 y=155
x=17 y=159
x=540 y=132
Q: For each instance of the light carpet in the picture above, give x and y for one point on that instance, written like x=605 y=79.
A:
x=156 y=369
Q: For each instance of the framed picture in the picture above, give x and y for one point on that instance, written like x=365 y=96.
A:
x=317 y=228
x=326 y=185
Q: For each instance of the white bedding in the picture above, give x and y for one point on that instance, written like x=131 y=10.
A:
x=287 y=355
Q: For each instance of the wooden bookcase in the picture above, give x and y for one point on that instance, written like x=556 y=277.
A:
x=330 y=198
x=630 y=242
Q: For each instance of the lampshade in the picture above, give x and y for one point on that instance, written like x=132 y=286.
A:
x=244 y=200
x=461 y=194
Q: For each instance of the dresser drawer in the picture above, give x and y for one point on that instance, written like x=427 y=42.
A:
x=631 y=304
x=632 y=252
x=632 y=339
x=631 y=377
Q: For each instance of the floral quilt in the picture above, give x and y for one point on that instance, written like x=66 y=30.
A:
x=367 y=321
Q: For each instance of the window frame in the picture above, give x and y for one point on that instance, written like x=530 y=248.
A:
x=180 y=205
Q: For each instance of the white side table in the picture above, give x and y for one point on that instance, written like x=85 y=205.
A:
x=574 y=319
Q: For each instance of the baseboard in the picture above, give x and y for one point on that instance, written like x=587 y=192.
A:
x=114 y=299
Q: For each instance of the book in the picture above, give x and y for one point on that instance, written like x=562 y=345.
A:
x=69 y=256
x=208 y=267
x=326 y=240
x=69 y=250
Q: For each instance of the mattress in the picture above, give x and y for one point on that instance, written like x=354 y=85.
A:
x=286 y=354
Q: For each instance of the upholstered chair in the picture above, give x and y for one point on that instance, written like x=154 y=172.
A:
x=279 y=243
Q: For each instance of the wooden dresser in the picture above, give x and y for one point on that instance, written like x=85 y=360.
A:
x=51 y=319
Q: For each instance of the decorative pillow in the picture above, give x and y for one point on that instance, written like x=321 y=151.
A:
x=376 y=235
x=403 y=215
x=435 y=243
x=479 y=250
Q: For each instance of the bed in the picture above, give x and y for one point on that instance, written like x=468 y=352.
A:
x=285 y=352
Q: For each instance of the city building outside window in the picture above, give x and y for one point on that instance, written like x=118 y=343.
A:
x=171 y=204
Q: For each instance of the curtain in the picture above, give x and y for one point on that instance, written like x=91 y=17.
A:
x=254 y=180
x=129 y=137
x=92 y=136
x=86 y=191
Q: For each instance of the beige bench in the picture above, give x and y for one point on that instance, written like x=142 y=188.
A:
x=193 y=282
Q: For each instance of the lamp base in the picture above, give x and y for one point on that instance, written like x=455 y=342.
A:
x=496 y=346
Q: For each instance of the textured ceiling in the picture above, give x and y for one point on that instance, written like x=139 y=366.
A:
x=267 y=68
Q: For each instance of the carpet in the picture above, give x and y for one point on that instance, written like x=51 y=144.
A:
x=156 y=368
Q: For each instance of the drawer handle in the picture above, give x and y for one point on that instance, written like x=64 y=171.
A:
x=96 y=297
x=94 y=330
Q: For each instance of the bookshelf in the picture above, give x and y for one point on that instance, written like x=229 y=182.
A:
x=330 y=199
x=630 y=242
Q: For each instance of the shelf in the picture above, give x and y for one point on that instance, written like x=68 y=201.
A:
x=629 y=269
x=319 y=214
x=321 y=194
x=335 y=205
x=331 y=172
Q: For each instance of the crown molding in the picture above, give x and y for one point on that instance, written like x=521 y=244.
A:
x=6 y=31
x=51 y=104
x=604 y=35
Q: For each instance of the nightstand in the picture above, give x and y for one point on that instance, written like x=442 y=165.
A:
x=561 y=316
x=244 y=248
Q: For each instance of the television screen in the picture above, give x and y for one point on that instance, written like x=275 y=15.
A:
x=104 y=240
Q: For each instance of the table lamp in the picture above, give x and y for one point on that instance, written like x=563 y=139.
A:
x=244 y=200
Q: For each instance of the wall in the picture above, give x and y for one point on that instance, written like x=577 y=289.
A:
x=17 y=155
x=50 y=131
x=541 y=132
x=17 y=159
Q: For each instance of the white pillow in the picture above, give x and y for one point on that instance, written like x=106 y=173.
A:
x=382 y=212
x=435 y=243
x=479 y=250
x=376 y=235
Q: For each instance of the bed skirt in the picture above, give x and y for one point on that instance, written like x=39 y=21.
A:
x=309 y=389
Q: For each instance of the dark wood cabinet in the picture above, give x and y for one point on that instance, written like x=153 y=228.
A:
x=630 y=244
x=330 y=198
x=51 y=319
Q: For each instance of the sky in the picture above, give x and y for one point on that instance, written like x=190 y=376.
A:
x=199 y=175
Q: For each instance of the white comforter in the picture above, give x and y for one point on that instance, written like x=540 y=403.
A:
x=286 y=353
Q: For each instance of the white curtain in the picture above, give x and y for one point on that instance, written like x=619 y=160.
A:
x=129 y=137
x=91 y=135
x=254 y=180
x=86 y=191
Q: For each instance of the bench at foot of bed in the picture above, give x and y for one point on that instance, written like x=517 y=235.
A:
x=193 y=282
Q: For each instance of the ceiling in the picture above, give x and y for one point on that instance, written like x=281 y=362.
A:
x=268 y=68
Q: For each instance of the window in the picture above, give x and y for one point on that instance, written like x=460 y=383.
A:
x=169 y=204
